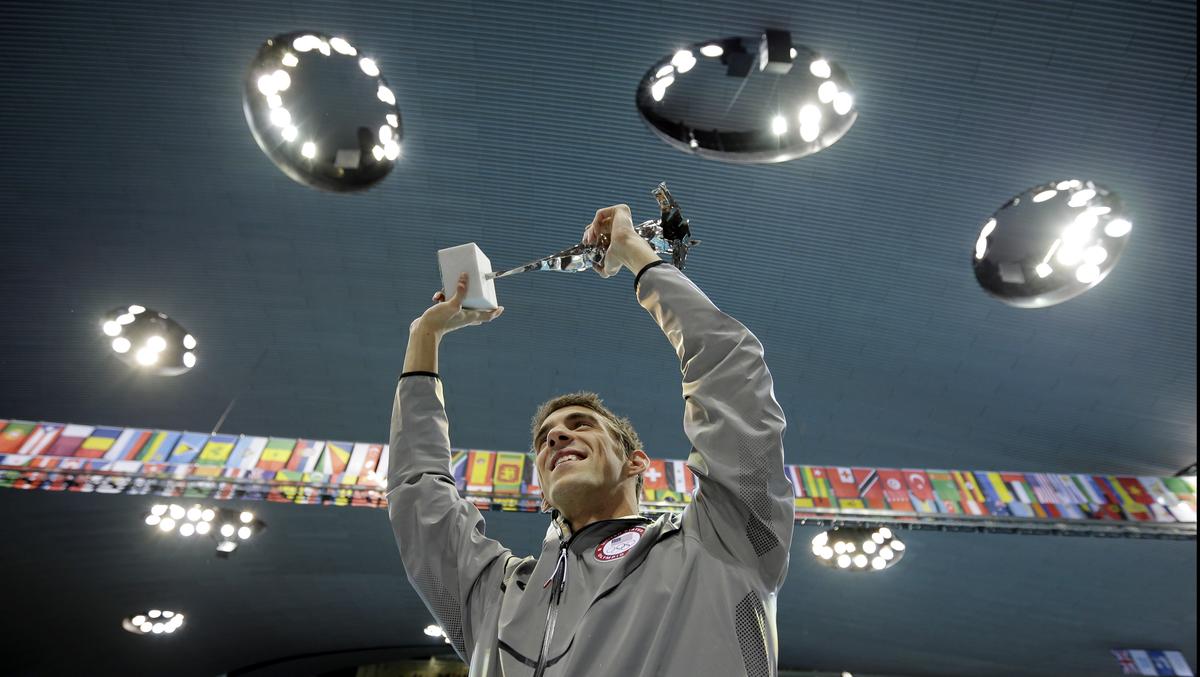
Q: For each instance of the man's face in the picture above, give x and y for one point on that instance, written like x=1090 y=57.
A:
x=578 y=456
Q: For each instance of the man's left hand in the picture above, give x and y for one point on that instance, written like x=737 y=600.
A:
x=612 y=229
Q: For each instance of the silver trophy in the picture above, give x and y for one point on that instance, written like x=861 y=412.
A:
x=668 y=234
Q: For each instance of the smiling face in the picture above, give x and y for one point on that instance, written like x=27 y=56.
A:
x=580 y=458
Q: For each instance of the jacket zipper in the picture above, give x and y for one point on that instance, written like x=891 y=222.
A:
x=559 y=579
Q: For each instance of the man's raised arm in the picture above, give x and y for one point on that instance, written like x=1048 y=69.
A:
x=744 y=510
x=455 y=568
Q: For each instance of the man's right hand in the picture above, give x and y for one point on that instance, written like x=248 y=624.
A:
x=447 y=315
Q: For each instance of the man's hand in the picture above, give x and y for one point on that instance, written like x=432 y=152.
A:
x=447 y=315
x=612 y=229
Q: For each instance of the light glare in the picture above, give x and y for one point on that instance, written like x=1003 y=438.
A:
x=819 y=68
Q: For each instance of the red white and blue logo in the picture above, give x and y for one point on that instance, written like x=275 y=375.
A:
x=616 y=547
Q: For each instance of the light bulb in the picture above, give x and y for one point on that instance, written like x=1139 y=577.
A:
x=1045 y=195
x=368 y=66
x=820 y=68
x=843 y=561
x=121 y=345
x=112 y=328
x=828 y=91
x=712 y=50
x=1117 y=228
x=842 y=103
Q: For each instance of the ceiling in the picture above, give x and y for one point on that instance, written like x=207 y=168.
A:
x=130 y=176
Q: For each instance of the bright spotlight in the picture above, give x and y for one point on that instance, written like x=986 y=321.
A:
x=820 y=68
x=121 y=344
x=112 y=328
x=779 y=125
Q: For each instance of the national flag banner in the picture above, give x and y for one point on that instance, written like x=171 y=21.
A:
x=1135 y=490
x=41 y=438
x=922 y=493
x=682 y=479
x=533 y=482
x=1087 y=485
x=895 y=491
x=994 y=493
x=1180 y=486
x=69 y=440
x=1072 y=489
x=655 y=476
x=128 y=444
x=870 y=488
x=458 y=469
x=15 y=459
x=98 y=443
x=247 y=452
x=381 y=468
x=1178 y=663
x=1160 y=513
x=815 y=486
x=1137 y=511
x=305 y=455
x=359 y=456
x=946 y=491
x=795 y=475
x=972 y=499
x=1043 y=492
x=276 y=454
x=510 y=470
x=158 y=447
x=1022 y=502
x=370 y=464
x=335 y=458
x=216 y=450
x=1158 y=491
x=480 y=471
x=188 y=448
x=841 y=480
x=14 y=435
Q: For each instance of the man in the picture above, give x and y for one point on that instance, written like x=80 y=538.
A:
x=612 y=592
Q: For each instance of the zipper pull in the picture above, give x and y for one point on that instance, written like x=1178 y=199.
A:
x=562 y=562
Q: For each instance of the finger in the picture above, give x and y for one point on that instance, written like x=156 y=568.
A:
x=439 y=296
x=460 y=292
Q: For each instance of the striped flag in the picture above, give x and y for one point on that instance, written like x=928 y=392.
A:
x=480 y=469
x=1088 y=487
x=357 y=458
x=41 y=438
x=995 y=493
x=159 y=446
x=128 y=444
x=246 y=452
x=69 y=440
x=216 y=450
x=533 y=486
x=796 y=476
x=510 y=470
x=972 y=498
x=305 y=456
x=815 y=485
x=276 y=454
x=870 y=489
x=14 y=435
x=682 y=479
x=98 y=443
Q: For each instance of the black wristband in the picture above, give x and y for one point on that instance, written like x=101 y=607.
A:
x=421 y=373
x=638 y=278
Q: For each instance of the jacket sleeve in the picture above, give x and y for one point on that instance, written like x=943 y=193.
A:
x=454 y=566
x=744 y=507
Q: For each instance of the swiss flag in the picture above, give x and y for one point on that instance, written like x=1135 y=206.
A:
x=655 y=477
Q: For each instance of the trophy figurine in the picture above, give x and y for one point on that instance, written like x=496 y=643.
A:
x=668 y=234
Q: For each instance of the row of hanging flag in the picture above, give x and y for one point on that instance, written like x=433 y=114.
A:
x=198 y=462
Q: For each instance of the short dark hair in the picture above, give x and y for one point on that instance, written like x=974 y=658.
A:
x=626 y=435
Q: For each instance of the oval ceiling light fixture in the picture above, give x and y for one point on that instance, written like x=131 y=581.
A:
x=149 y=340
x=1051 y=243
x=153 y=622
x=322 y=111
x=747 y=99
x=858 y=548
x=227 y=526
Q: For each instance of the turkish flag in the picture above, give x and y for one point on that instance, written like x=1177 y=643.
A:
x=895 y=491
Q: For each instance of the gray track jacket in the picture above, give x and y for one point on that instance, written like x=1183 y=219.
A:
x=689 y=593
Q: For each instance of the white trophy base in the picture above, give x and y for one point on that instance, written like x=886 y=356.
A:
x=468 y=258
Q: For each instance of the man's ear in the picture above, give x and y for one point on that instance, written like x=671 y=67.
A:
x=638 y=462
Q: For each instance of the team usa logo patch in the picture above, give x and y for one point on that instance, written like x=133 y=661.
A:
x=616 y=547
